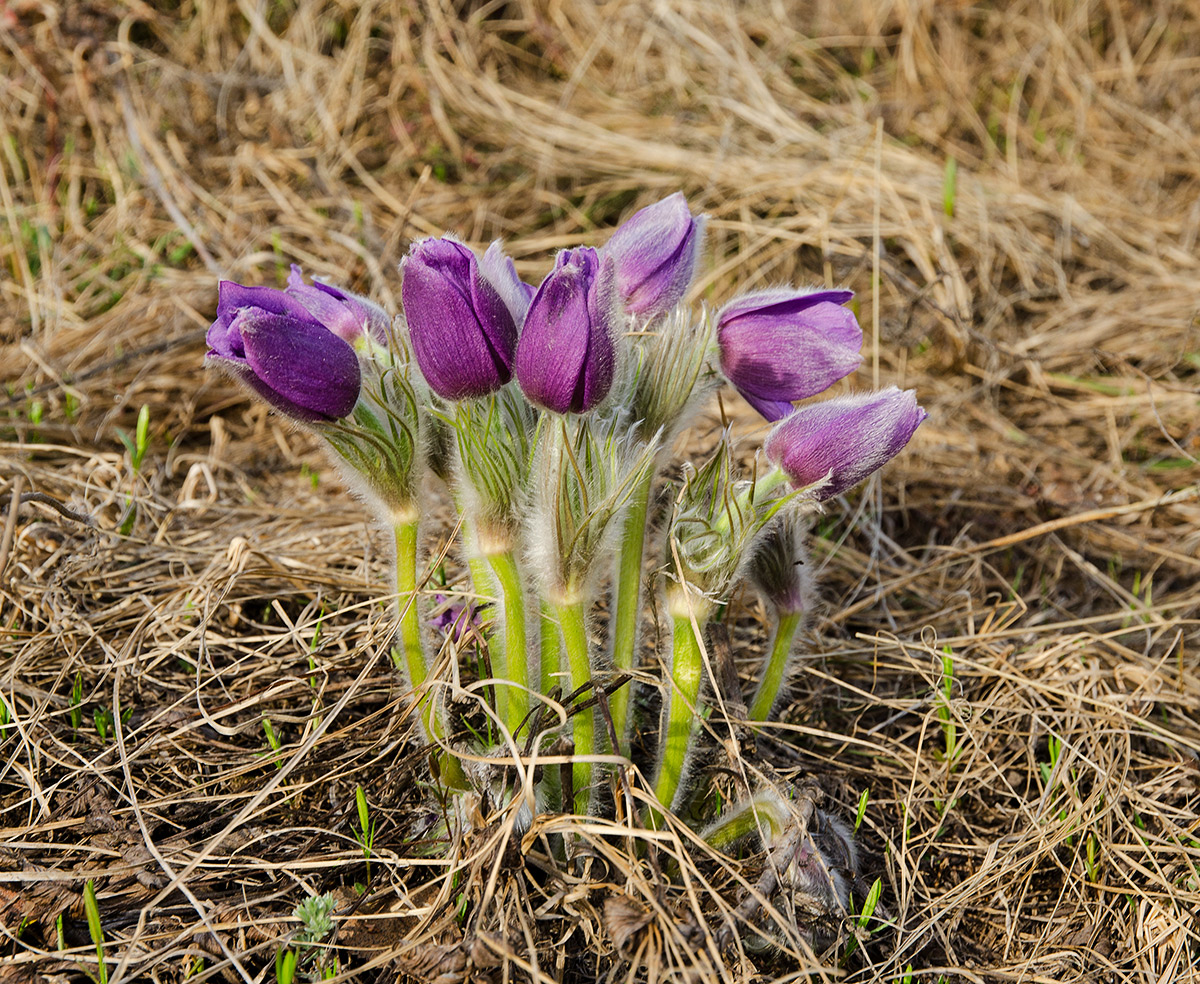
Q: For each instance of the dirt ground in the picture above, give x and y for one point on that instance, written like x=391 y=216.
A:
x=193 y=661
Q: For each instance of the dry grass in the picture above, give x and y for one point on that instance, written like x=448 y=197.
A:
x=1044 y=525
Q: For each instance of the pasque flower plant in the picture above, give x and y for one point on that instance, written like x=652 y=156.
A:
x=551 y=412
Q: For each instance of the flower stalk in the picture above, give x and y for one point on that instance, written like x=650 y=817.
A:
x=780 y=570
x=572 y=620
x=777 y=660
x=511 y=659
x=627 y=603
x=681 y=711
x=411 y=659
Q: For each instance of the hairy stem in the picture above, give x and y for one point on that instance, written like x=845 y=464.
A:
x=511 y=660
x=551 y=650
x=572 y=622
x=773 y=670
x=412 y=651
x=680 y=719
x=412 y=655
x=628 y=600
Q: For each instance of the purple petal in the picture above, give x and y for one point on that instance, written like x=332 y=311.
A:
x=346 y=315
x=462 y=332
x=239 y=370
x=782 y=301
x=500 y=271
x=834 y=445
x=780 y=346
x=600 y=364
x=231 y=298
x=566 y=353
x=301 y=362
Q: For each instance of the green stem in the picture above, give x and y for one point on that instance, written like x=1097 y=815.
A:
x=628 y=602
x=773 y=670
x=483 y=589
x=512 y=660
x=679 y=706
x=406 y=594
x=572 y=622
x=412 y=648
x=551 y=650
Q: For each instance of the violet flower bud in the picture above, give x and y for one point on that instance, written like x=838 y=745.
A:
x=269 y=340
x=654 y=254
x=777 y=346
x=500 y=272
x=826 y=448
x=463 y=333
x=566 y=356
x=347 y=315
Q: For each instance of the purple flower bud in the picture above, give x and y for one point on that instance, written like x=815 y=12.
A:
x=566 y=355
x=783 y=345
x=463 y=333
x=500 y=272
x=347 y=315
x=828 y=447
x=269 y=340
x=654 y=254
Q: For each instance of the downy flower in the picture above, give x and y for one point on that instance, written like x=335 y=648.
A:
x=463 y=332
x=352 y=318
x=499 y=270
x=566 y=356
x=826 y=448
x=654 y=254
x=783 y=345
x=270 y=341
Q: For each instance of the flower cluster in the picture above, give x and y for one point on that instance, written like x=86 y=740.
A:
x=551 y=412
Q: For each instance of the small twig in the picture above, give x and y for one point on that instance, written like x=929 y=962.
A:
x=53 y=503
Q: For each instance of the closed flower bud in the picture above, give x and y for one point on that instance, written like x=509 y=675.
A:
x=782 y=345
x=347 y=315
x=500 y=272
x=272 y=343
x=566 y=356
x=463 y=333
x=654 y=255
x=826 y=448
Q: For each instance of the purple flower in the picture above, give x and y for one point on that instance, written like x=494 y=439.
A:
x=828 y=447
x=347 y=315
x=271 y=342
x=654 y=254
x=566 y=356
x=455 y=619
x=783 y=345
x=463 y=333
x=500 y=272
